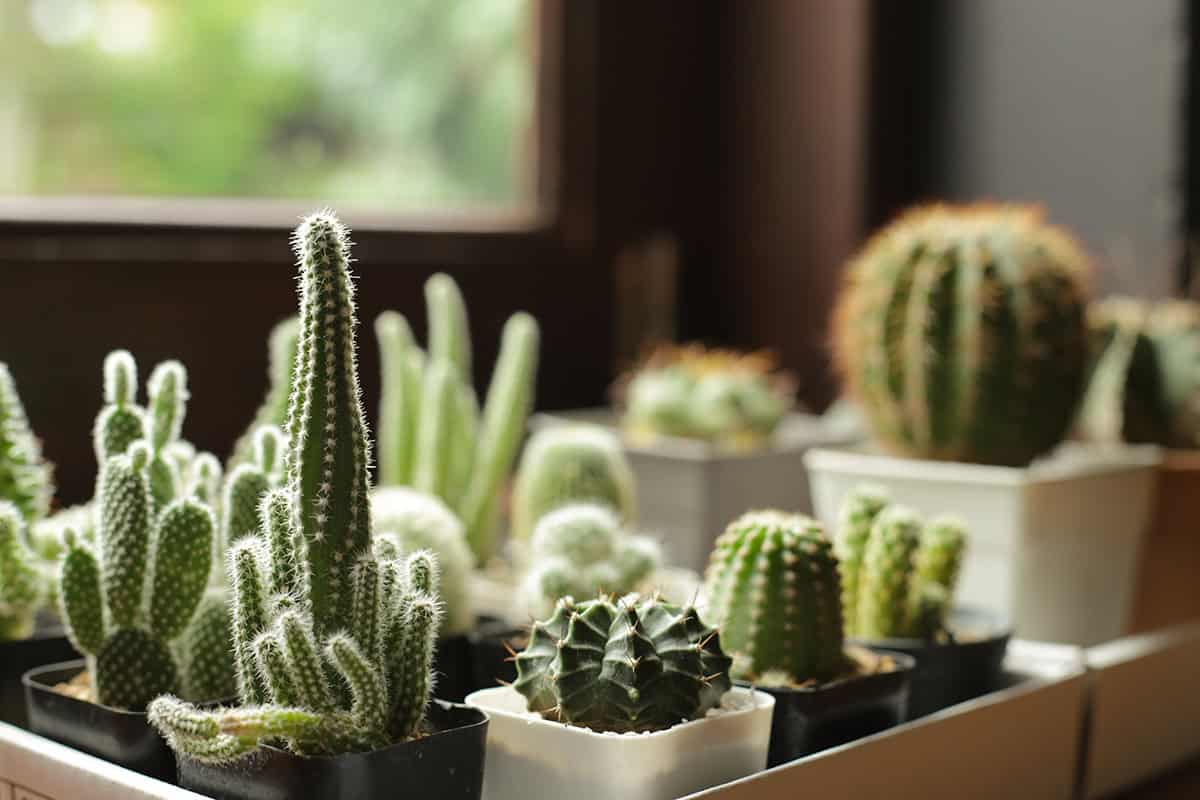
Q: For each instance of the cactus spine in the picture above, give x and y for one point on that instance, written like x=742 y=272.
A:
x=960 y=331
x=333 y=644
x=25 y=477
x=632 y=665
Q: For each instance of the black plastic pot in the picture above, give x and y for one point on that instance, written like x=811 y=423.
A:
x=810 y=719
x=447 y=764
x=951 y=672
x=125 y=738
x=491 y=661
x=18 y=657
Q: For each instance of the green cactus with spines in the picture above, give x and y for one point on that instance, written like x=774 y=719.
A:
x=162 y=423
x=22 y=581
x=569 y=464
x=775 y=594
x=580 y=550
x=202 y=476
x=887 y=568
x=25 y=476
x=433 y=434
x=855 y=519
x=333 y=644
x=120 y=422
x=282 y=346
x=629 y=665
x=247 y=483
x=46 y=535
x=960 y=333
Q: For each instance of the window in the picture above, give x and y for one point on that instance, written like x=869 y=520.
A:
x=367 y=105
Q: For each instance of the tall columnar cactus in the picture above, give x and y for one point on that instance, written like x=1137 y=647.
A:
x=126 y=601
x=632 y=665
x=432 y=434
x=333 y=643
x=773 y=590
x=22 y=582
x=25 y=477
x=960 y=331
x=571 y=464
x=282 y=345
x=580 y=550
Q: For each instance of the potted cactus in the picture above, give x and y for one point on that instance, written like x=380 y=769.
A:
x=333 y=630
x=960 y=333
x=898 y=580
x=709 y=433
x=774 y=591
x=625 y=698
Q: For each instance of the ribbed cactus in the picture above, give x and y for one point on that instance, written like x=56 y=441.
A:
x=773 y=590
x=631 y=665
x=333 y=643
x=22 y=581
x=735 y=400
x=581 y=550
x=855 y=520
x=432 y=435
x=960 y=331
x=282 y=345
x=571 y=464
x=25 y=477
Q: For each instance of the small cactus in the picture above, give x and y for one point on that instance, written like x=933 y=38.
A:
x=631 y=665
x=22 y=582
x=282 y=345
x=120 y=422
x=570 y=464
x=25 y=477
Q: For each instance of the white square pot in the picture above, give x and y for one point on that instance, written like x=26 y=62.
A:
x=1054 y=546
x=1145 y=708
x=688 y=491
x=528 y=756
x=1022 y=741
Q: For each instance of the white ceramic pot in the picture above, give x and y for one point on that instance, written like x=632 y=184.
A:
x=1054 y=546
x=528 y=756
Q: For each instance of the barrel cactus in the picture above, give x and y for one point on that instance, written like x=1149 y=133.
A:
x=334 y=644
x=961 y=333
x=629 y=665
x=432 y=434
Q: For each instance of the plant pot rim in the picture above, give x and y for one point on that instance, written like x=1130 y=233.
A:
x=998 y=627
x=33 y=680
x=904 y=663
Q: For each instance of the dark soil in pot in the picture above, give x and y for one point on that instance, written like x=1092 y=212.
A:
x=446 y=764
x=491 y=657
x=950 y=670
x=19 y=656
x=808 y=719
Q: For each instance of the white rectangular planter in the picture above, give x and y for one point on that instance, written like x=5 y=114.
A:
x=1054 y=546
x=528 y=756
x=688 y=491
x=1145 y=708
x=35 y=768
x=1018 y=742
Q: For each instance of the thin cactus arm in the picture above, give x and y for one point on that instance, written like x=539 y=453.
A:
x=449 y=332
x=121 y=421
x=399 y=400
x=124 y=535
x=434 y=436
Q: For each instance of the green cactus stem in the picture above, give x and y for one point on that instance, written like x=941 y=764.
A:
x=22 y=583
x=282 y=346
x=855 y=520
x=119 y=423
x=25 y=477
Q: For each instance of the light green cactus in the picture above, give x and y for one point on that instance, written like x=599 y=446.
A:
x=433 y=436
x=25 y=477
x=569 y=464
x=22 y=582
x=333 y=644
x=120 y=422
x=855 y=520
x=282 y=345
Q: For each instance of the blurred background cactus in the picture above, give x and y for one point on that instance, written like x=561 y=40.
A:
x=960 y=331
x=25 y=477
x=734 y=400
x=281 y=361
x=23 y=583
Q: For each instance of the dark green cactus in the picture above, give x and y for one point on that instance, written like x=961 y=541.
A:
x=22 y=581
x=632 y=665
x=773 y=590
x=961 y=334
x=25 y=477
x=282 y=345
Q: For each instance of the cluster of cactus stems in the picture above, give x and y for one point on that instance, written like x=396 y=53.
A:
x=628 y=665
x=25 y=477
x=774 y=591
x=571 y=464
x=734 y=400
x=282 y=345
x=898 y=573
x=333 y=636
x=432 y=434
x=581 y=550
x=961 y=333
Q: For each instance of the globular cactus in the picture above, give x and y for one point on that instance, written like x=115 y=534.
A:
x=22 y=581
x=571 y=464
x=960 y=332
x=630 y=665
x=25 y=477
x=432 y=434
x=282 y=345
x=333 y=644
x=773 y=590
x=582 y=550
x=734 y=400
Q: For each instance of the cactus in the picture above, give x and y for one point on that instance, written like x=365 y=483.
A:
x=734 y=400
x=569 y=464
x=632 y=665
x=961 y=333
x=773 y=589
x=22 y=582
x=282 y=345
x=333 y=643
x=167 y=390
x=246 y=485
x=580 y=550
x=855 y=519
x=120 y=422
x=432 y=434
x=25 y=477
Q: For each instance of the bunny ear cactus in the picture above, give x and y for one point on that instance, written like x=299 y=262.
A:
x=960 y=332
x=333 y=644
x=773 y=588
x=569 y=464
x=632 y=665
x=282 y=346
x=25 y=477
x=167 y=390
x=119 y=423
x=22 y=583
